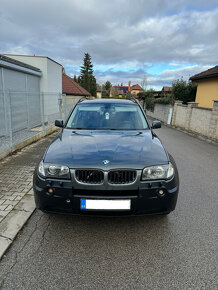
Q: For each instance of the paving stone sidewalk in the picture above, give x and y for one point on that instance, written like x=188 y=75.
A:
x=16 y=173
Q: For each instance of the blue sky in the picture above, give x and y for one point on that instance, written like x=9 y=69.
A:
x=161 y=39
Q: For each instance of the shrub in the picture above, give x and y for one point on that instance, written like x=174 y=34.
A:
x=148 y=99
x=164 y=100
x=183 y=91
x=149 y=103
x=140 y=96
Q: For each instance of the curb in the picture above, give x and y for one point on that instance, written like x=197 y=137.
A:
x=15 y=220
x=28 y=141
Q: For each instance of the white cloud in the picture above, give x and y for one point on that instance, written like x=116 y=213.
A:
x=117 y=33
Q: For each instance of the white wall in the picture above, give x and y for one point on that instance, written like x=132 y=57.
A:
x=51 y=79
x=38 y=62
x=54 y=77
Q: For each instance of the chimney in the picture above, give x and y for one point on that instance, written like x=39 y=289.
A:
x=129 y=86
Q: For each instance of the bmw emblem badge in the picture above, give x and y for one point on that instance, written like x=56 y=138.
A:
x=106 y=162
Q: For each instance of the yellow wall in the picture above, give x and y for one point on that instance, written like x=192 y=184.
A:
x=135 y=92
x=98 y=95
x=207 y=91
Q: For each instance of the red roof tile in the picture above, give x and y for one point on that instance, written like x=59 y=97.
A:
x=99 y=89
x=124 y=89
x=136 y=87
x=70 y=87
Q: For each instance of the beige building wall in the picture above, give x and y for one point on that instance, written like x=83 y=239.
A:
x=135 y=92
x=98 y=95
x=207 y=92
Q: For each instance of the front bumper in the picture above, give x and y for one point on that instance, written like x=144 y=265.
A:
x=144 y=195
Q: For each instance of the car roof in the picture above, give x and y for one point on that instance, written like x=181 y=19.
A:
x=109 y=101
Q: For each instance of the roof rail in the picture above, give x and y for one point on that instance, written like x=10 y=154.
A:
x=131 y=98
x=82 y=99
x=85 y=98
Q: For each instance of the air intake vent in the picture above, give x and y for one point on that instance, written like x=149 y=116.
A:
x=121 y=176
x=90 y=176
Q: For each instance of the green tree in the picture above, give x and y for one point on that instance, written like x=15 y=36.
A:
x=183 y=91
x=149 y=99
x=87 y=79
x=107 y=88
x=192 y=90
x=75 y=79
x=115 y=92
x=128 y=95
x=93 y=86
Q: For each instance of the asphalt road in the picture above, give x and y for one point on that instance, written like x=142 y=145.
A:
x=154 y=252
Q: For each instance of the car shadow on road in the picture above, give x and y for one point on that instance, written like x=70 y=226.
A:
x=87 y=230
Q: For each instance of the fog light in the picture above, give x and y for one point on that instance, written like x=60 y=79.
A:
x=51 y=191
x=161 y=192
x=67 y=200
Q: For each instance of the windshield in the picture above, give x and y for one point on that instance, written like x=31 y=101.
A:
x=107 y=116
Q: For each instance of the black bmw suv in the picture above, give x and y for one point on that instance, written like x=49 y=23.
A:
x=106 y=160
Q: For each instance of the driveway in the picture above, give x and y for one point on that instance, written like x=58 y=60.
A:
x=154 y=252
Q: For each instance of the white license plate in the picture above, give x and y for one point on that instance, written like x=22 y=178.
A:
x=105 y=204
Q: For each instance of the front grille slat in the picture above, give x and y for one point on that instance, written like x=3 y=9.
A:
x=121 y=176
x=91 y=176
x=95 y=176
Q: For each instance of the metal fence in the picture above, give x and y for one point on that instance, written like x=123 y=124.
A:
x=25 y=114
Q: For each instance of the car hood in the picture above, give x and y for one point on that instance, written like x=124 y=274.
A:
x=123 y=149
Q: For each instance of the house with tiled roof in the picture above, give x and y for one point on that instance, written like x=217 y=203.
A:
x=99 y=92
x=71 y=93
x=136 y=89
x=72 y=88
x=123 y=90
x=207 y=90
x=118 y=91
x=165 y=92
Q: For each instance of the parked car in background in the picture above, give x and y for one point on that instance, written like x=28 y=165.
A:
x=106 y=160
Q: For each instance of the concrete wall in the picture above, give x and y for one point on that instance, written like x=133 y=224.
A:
x=181 y=116
x=69 y=102
x=207 y=92
x=198 y=120
x=161 y=112
x=202 y=121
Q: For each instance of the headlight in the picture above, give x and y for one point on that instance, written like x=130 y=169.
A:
x=158 y=172
x=53 y=170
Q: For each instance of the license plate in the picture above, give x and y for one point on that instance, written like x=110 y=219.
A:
x=105 y=204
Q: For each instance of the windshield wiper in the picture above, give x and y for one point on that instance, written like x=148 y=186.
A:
x=79 y=128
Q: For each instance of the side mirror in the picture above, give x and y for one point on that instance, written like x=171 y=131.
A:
x=156 y=125
x=59 y=123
